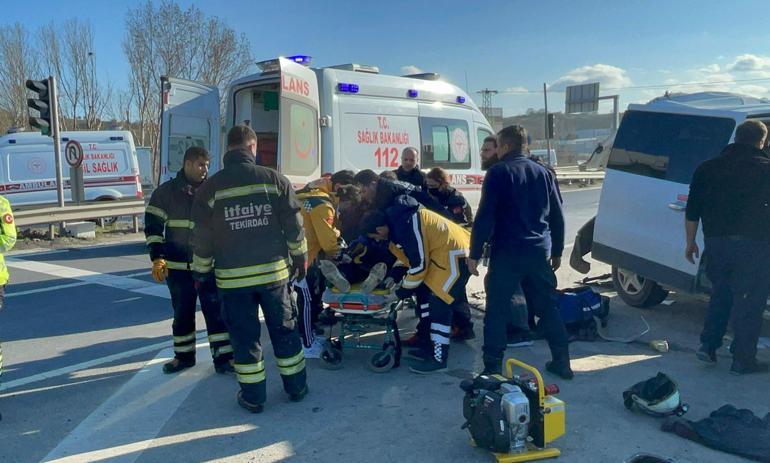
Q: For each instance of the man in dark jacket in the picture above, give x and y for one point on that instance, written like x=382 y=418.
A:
x=730 y=195
x=249 y=238
x=520 y=217
x=168 y=231
x=409 y=170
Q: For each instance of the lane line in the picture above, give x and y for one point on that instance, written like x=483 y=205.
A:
x=126 y=424
x=12 y=293
x=89 y=364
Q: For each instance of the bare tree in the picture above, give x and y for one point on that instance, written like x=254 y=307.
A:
x=18 y=62
x=163 y=39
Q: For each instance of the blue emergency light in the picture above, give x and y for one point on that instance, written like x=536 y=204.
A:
x=461 y=99
x=347 y=88
x=301 y=59
x=411 y=93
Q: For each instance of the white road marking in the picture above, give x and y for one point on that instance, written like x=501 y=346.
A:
x=88 y=364
x=12 y=293
x=135 y=414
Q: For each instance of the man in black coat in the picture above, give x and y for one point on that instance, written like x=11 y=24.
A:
x=409 y=170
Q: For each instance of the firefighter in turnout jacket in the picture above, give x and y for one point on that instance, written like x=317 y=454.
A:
x=168 y=230
x=248 y=236
x=319 y=217
x=7 y=241
x=435 y=249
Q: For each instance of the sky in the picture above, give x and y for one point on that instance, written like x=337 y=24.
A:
x=636 y=49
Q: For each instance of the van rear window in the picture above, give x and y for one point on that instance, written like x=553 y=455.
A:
x=667 y=146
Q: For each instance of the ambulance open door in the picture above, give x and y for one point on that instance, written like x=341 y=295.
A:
x=189 y=117
x=299 y=128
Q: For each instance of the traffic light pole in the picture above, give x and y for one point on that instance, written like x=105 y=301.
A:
x=56 y=139
x=547 y=134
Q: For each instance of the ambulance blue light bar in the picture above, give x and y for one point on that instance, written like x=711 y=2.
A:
x=461 y=99
x=301 y=59
x=347 y=88
x=412 y=93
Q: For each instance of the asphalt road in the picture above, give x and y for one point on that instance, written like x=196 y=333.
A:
x=85 y=333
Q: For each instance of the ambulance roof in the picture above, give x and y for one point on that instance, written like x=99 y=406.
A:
x=87 y=135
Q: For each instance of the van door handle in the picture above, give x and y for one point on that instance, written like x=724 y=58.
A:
x=677 y=206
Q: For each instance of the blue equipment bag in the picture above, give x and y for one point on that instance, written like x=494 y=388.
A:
x=578 y=307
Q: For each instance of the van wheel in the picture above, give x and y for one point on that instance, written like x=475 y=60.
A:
x=636 y=290
x=106 y=221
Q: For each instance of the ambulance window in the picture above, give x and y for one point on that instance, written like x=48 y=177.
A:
x=299 y=144
x=444 y=143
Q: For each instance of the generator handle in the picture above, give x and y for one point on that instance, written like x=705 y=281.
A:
x=540 y=385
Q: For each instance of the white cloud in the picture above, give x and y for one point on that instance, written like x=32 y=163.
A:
x=607 y=75
x=517 y=89
x=753 y=90
x=748 y=63
x=711 y=68
x=410 y=69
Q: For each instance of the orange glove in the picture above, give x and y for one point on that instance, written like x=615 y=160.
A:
x=159 y=270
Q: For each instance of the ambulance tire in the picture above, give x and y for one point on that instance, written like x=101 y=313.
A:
x=636 y=290
x=106 y=221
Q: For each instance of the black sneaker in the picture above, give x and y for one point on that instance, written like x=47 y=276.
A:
x=522 y=339
x=300 y=395
x=224 y=368
x=253 y=408
x=427 y=367
x=560 y=369
x=419 y=354
x=706 y=355
x=739 y=369
x=176 y=365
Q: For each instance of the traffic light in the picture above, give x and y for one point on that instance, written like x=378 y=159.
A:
x=551 y=125
x=41 y=104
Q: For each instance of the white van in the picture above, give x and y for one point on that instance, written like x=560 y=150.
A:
x=316 y=121
x=545 y=156
x=639 y=227
x=28 y=169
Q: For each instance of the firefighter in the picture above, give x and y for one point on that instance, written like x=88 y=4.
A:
x=248 y=237
x=7 y=241
x=168 y=231
x=435 y=249
x=319 y=216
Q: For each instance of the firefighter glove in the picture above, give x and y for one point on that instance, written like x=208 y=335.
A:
x=159 y=270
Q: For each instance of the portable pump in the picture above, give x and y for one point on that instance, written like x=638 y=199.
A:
x=514 y=416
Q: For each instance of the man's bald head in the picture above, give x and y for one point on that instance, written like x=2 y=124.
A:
x=410 y=157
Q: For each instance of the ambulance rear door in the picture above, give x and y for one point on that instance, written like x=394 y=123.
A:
x=189 y=117
x=299 y=128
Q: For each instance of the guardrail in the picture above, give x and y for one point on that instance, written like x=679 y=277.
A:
x=72 y=213
x=578 y=175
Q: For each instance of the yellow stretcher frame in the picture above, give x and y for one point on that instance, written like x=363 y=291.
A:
x=532 y=453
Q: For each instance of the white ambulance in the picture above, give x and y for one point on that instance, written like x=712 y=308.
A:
x=28 y=169
x=316 y=121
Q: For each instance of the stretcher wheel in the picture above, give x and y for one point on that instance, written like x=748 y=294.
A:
x=382 y=362
x=331 y=357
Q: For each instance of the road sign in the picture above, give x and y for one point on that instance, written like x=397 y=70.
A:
x=582 y=98
x=73 y=153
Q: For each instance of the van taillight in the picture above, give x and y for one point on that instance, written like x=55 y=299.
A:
x=139 y=192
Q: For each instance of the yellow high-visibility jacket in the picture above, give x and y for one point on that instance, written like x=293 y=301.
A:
x=7 y=237
x=319 y=217
x=431 y=245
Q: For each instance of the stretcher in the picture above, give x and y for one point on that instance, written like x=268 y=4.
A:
x=360 y=314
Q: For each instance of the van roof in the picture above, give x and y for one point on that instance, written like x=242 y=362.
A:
x=89 y=135
x=722 y=101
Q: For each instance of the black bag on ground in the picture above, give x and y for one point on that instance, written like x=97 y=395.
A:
x=578 y=307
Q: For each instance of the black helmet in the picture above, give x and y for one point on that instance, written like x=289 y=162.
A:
x=657 y=396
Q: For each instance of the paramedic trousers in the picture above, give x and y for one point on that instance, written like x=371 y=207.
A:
x=506 y=274
x=241 y=311
x=309 y=294
x=441 y=313
x=461 y=311
x=737 y=269
x=183 y=298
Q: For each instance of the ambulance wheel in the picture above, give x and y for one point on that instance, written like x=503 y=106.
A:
x=382 y=362
x=331 y=357
x=636 y=290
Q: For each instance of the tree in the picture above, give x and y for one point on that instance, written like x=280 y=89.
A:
x=19 y=61
x=162 y=39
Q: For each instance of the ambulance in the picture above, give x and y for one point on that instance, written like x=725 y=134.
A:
x=311 y=122
x=28 y=168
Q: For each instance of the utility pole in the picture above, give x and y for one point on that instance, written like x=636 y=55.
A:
x=486 y=101
x=547 y=132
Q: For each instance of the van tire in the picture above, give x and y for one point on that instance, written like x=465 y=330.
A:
x=636 y=290
x=106 y=221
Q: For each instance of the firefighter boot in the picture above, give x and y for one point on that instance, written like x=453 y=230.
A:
x=560 y=365
x=177 y=365
x=492 y=365
x=435 y=364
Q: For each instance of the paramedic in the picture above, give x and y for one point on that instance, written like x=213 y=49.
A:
x=168 y=232
x=7 y=241
x=730 y=195
x=520 y=216
x=248 y=237
x=380 y=192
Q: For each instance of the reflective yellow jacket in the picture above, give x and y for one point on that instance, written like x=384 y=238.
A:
x=7 y=236
x=320 y=221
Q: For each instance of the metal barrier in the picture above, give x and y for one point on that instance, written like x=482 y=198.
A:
x=95 y=210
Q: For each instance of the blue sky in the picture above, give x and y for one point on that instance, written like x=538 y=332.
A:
x=511 y=46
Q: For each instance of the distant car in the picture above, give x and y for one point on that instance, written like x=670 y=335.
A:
x=28 y=169
x=545 y=156
x=639 y=227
